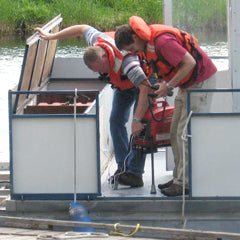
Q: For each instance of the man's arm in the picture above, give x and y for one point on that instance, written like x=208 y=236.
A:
x=133 y=70
x=141 y=108
x=70 y=32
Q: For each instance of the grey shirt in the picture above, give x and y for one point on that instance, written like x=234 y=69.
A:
x=130 y=67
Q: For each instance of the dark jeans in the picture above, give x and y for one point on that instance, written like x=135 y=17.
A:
x=121 y=107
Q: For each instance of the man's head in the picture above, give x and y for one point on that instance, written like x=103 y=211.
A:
x=96 y=58
x=127 y=39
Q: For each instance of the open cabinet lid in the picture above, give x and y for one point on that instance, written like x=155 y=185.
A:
x=38 y=61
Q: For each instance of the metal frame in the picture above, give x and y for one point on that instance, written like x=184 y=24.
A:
x=190 y=141
x=64 y=196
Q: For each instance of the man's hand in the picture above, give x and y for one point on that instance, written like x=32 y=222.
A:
x=69 y=32
x=162 y=90
x=44 y=35
x=136 y=128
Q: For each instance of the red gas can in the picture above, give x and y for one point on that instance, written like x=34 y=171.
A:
x=156 y=122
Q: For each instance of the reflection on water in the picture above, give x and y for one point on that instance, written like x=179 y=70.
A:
x=71 y=47
x=11 y=57
x=216 y=49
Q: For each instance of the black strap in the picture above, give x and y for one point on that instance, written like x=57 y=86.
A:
x=104 y=77
x=194 y=52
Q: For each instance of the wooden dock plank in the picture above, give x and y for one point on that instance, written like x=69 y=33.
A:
x=187 y=233
x=25 y=234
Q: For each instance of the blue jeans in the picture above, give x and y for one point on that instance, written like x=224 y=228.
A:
x=121 y=106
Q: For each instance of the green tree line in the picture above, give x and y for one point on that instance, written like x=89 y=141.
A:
x=23 y=15
x=20 y=16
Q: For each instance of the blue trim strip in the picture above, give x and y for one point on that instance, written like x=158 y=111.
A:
x=75 y=79
x=98 y=146
x=215 y=90
x=189 y=148
x=94 y=196
x=53 y=196
x=54 y=92
x=10 y=141
x=163 y=198
x=53 y=116
x=215 y=114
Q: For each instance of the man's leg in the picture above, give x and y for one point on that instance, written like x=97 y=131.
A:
x=200 y=102
x=121 y=106
x=177 y=126
x=135 y=167
x=136 y=162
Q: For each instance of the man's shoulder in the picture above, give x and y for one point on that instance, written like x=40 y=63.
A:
x=91 y=34
x=166 y=36
x=130 y=57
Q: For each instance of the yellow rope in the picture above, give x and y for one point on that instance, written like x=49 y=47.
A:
x=119 y=233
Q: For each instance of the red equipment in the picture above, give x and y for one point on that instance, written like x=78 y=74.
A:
x=156 y=132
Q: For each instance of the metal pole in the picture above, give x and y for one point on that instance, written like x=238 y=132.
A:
x=167 y=12
x=153 y=187
x=75 y=147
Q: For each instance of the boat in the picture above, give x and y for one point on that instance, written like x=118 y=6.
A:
x=42 y=124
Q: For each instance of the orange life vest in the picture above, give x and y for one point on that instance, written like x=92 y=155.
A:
x=158 y=64
x=107 y=42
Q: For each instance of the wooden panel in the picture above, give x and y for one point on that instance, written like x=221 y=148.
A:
x=27 y=74
x=39 y=63
x=35 y=60
x=52 y=46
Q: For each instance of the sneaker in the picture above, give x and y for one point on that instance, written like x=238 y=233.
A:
x=174 y=190
x=165 y=185
x=115 y=176
x=130 y=179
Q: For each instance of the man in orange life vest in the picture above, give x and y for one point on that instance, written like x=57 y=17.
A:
x=130 y=87
x=178 y=62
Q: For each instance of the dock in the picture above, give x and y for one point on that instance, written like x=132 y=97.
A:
x=29 y=234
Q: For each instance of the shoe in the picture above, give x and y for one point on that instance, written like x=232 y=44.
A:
x=174 y=190
x=130 y=179
x=165 y=185
x=115 y=176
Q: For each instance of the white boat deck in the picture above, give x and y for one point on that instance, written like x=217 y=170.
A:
x=161 y=176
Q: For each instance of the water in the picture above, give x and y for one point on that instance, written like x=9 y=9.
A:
x=10 y=67
x=11 y=57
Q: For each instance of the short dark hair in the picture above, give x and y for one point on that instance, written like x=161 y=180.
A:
x=123 y=36
x=92 y=54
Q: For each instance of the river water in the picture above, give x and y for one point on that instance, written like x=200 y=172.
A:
x=11 y=57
